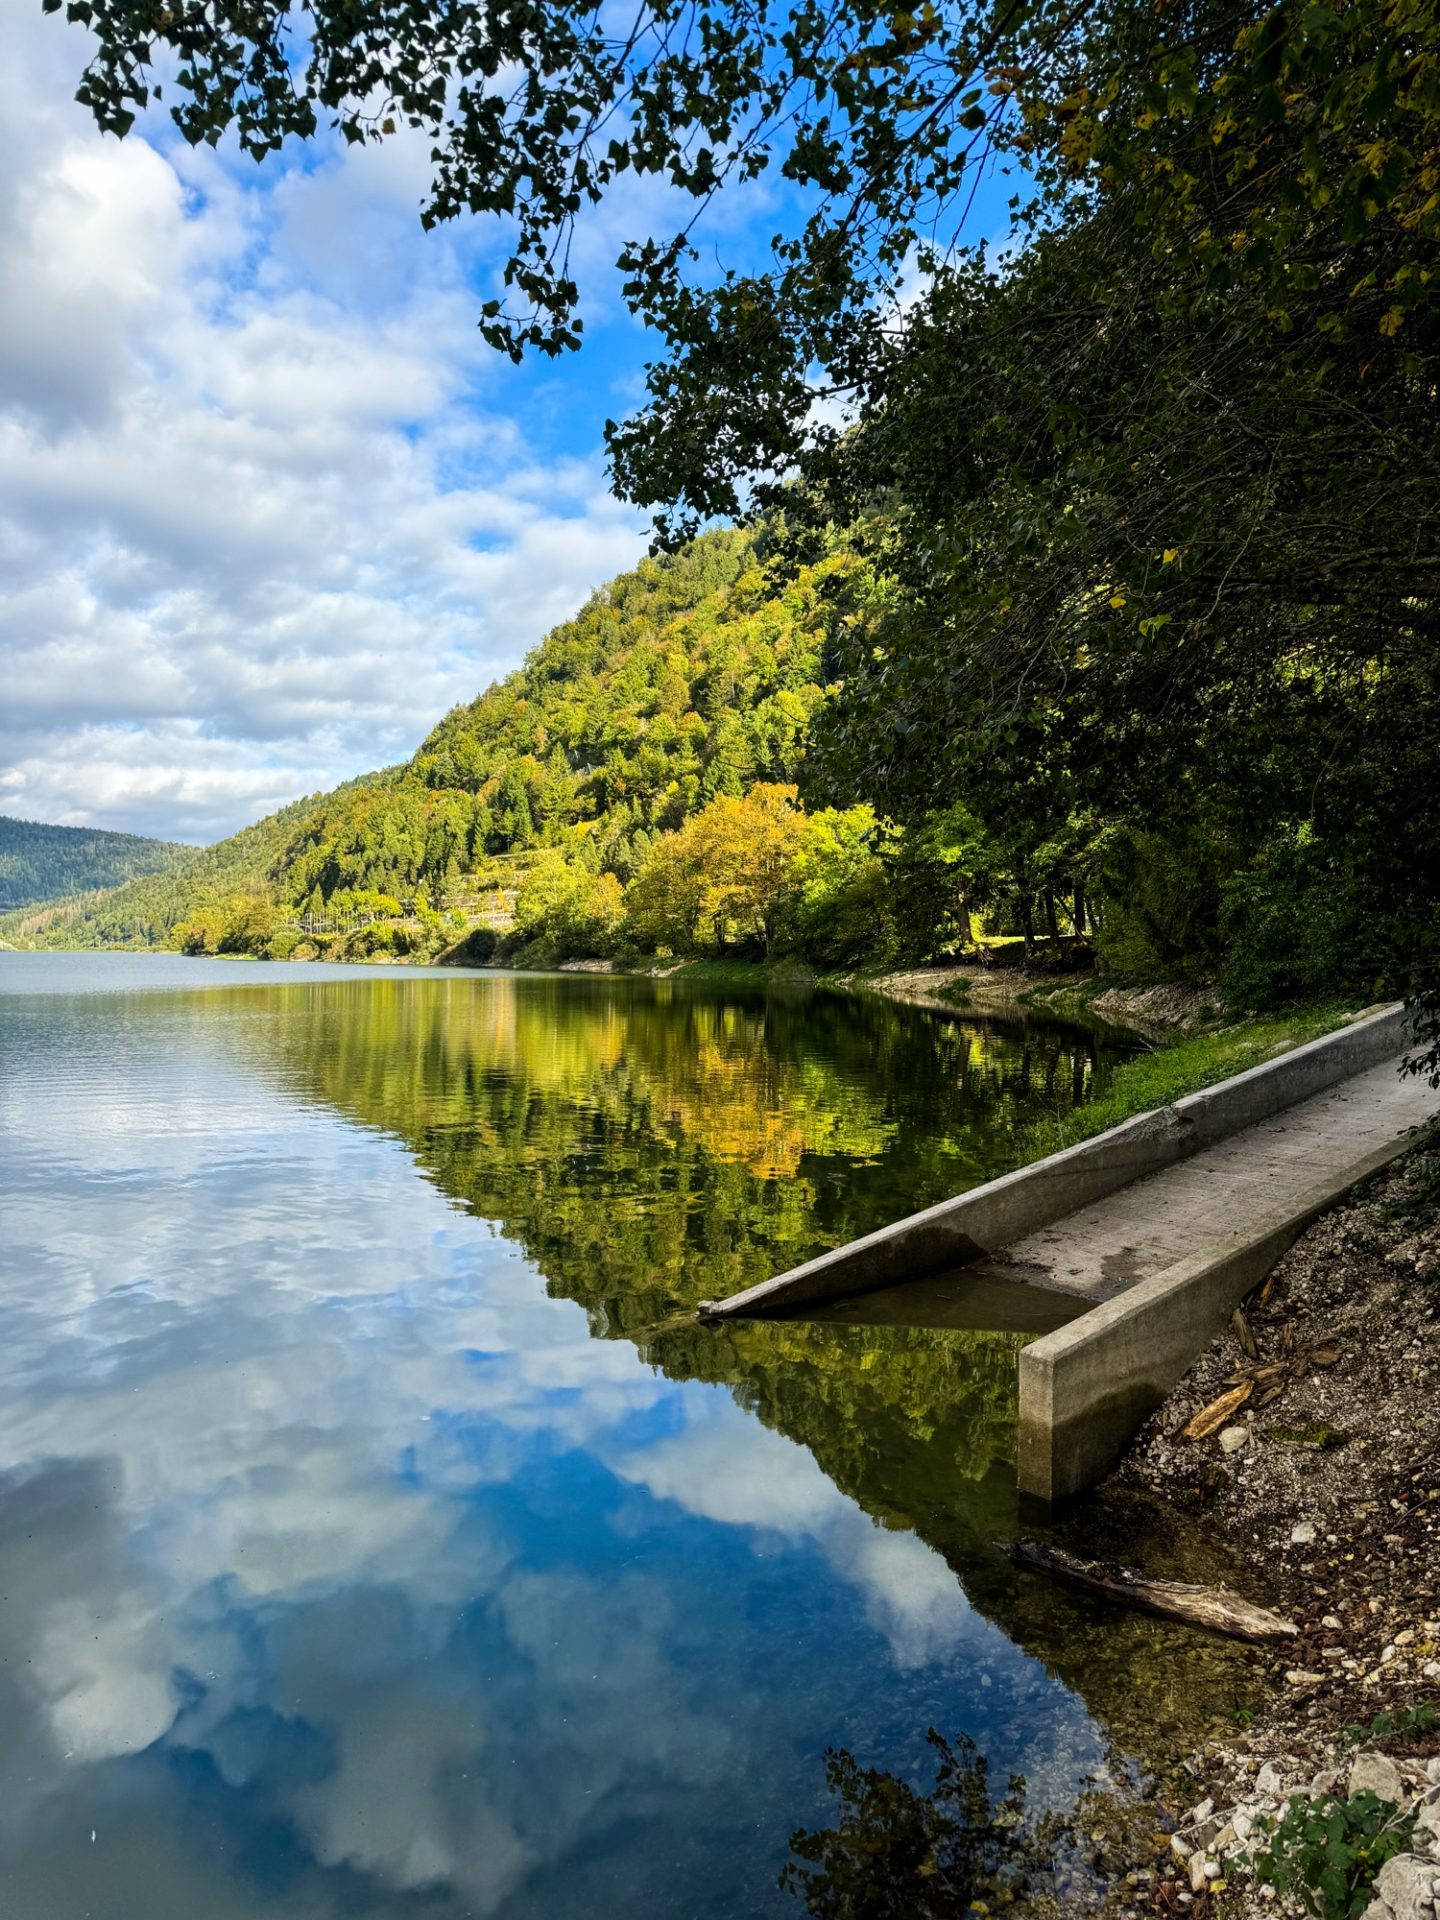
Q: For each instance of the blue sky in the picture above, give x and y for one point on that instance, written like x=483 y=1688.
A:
x=268 y=505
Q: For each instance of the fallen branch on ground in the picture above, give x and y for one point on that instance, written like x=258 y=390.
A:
x=1211 y=1607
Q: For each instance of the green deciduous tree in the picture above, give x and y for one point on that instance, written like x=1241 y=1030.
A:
x=563 y=902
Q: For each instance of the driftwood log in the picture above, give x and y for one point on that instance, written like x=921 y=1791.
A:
x=1212 y=1607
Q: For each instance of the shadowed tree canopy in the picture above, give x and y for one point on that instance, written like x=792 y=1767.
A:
x=1270 y=149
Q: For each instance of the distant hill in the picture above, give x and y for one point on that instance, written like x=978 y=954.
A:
x=39 y=862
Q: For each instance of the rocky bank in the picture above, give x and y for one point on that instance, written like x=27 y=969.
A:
x=1305 y=1445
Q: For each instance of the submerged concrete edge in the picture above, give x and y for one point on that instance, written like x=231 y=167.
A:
x=988 y=1217
x=1085 y=1388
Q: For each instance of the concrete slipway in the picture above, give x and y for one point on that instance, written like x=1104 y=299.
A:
x=1132 y=1247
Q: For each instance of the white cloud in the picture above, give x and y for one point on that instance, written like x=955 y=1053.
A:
x=267 y=505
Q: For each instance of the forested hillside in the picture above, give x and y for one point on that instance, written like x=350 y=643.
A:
x=40 y=862
x=633 y=782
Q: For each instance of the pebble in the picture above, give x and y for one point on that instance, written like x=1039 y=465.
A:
x=1232 y=1439
x=1302 y=1533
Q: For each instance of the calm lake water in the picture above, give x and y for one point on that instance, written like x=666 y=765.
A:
x=379 y=1533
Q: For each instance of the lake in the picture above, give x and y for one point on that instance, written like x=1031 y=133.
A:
x=380 y=1533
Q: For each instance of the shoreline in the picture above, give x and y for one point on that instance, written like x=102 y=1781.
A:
x=1318 y=1493
x=1155 y=1012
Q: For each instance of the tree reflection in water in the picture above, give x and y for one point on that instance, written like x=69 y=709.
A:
x=895 y=1853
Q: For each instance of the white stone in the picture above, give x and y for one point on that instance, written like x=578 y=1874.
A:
x=1378 y=1774
x=1427 y=1818
x=1232 y=1439
x=1202 y=1812
x=1202 y=1871
x=1268 y=1781
x=1302 y=1533
x=1406 y=1884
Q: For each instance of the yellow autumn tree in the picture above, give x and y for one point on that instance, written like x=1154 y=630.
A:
x=725 y=879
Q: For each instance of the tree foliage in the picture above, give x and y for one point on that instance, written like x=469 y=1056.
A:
x=1244 y=142
x=1160 y=517
x=896 y=1853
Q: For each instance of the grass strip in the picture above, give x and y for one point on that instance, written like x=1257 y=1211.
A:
x=1161 y=1077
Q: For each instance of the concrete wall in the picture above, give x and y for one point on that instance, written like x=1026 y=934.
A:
x=1085 y=1388
x=989 y=1217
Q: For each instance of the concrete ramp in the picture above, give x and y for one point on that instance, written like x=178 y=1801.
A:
x=1149 y=1234
x=1214 y=1199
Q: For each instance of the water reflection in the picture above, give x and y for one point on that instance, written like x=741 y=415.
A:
x=347 y=1571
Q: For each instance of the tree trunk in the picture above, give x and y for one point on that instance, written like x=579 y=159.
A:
x=1052 y=925
x=1078 y=911
x=1027 y=923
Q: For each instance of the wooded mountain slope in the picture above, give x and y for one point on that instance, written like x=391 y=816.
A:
x=40 y=862
x=635 y=787
x=144 y=911
x=681 y=680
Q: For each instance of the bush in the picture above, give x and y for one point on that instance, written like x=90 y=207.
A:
x=1326 y=1851
x=1161 y=907
x=1293 y=925
x=476 y=949
x=841 y=912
